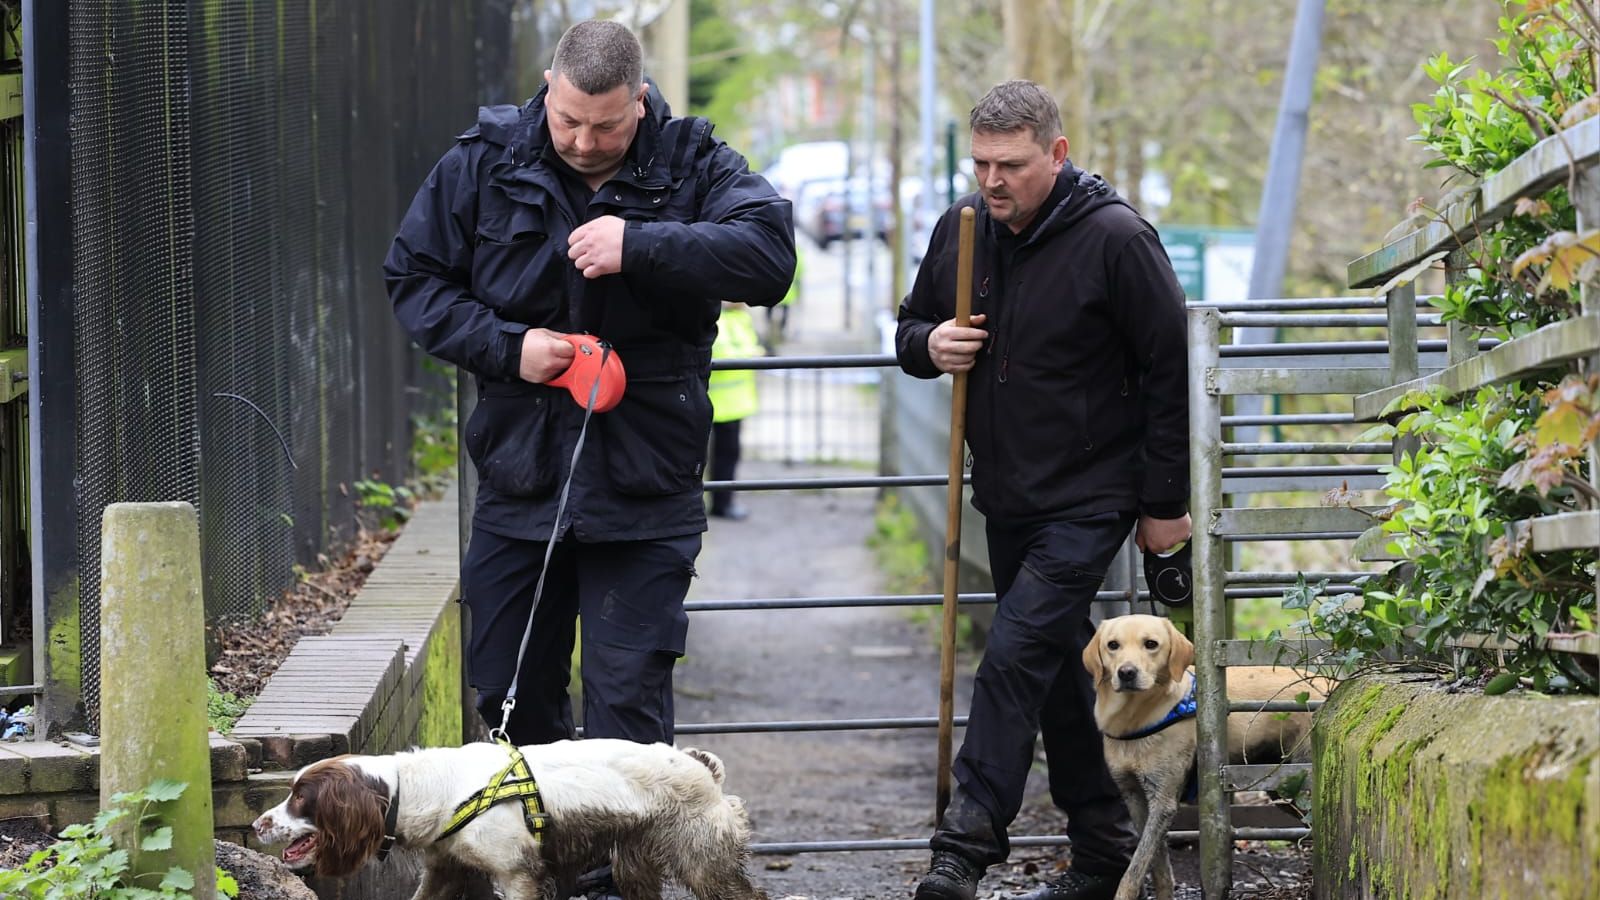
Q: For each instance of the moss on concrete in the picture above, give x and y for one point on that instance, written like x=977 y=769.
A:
x=440 y=724
x=1427 y=794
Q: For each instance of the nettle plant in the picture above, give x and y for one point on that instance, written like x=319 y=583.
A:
x=1506 y=453
x=85 y=863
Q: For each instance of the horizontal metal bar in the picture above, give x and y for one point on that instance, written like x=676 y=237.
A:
x=1272 y=706
x=1305 y=448
x=812 y=725
x=1290 y=520
x=1335 y=348
x=1552 y=345
x=1287 y=483
x=1288 y=578
x=1577 y=644
x=1264 y=592
x=13 y=374
x=1331 y=320
x=1291 y=536
x=1289 y=419
x=791 y=848
x=17 y=690
x=904 y=600
x=1363 y=301
x=863 y=361
x=1262 y=777
x=883 y=600
x=1544 y=165
x=1227 y=382
x=1269 y=653
x=1272 y=471
x=817 y=484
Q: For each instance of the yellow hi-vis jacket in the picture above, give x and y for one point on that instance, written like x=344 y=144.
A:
x=733 y=393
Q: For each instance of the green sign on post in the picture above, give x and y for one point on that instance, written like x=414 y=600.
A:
x=1212 y=263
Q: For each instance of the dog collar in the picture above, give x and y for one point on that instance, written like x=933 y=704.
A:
x=391 y=817
x=1184 y=710
x=514 y=782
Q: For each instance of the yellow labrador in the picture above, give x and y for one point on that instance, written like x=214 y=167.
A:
x=1145 y=704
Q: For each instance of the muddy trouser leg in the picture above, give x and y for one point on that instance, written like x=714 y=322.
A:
x=631 y=609
x=1046 y=577
x=498 y=578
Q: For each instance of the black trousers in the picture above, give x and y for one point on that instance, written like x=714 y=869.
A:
x=1031 y=679
x=724 y=461
x=628 y=597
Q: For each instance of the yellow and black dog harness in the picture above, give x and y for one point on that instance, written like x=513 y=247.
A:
x=514 y=782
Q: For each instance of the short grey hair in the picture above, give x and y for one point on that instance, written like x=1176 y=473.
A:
x=1014 y=105
x=597 y=56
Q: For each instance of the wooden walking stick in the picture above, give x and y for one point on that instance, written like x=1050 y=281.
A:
x=952 y=529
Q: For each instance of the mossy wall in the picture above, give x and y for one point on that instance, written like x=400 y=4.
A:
x=441 y=721
x=1428 y=794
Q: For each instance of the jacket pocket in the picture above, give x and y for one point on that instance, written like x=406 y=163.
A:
x=514 y=269
x=656 y=437
x=509 y=437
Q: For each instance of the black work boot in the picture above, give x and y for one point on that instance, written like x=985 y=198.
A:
x=1075 y=885
x=951 y=876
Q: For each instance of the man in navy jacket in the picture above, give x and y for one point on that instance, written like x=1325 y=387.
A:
x=588 y=209
x=1077 y=421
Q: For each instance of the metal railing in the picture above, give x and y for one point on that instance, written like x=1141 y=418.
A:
x=1242 y=585
x=1411 y=364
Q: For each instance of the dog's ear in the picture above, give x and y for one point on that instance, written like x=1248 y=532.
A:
x=1091 y=656
x=347 y=809
x=1181 y=652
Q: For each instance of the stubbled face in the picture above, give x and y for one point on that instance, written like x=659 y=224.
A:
x=592 y=132
x=1136 y=653
x=1016 y=173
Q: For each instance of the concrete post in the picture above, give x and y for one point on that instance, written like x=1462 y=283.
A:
x=153 y=680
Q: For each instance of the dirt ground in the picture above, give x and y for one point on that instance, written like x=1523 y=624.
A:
x=850 y=663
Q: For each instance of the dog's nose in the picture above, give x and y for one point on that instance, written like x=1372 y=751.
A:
x=1127 y=674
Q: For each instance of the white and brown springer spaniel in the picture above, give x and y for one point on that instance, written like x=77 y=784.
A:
x=657 y=812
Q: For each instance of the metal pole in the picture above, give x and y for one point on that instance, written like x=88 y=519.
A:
x=1210 y=611
x=950 y=162
x=1275 y=220
x=52 y=394
x=952 y=533
x=869 y=200
x=925 y=71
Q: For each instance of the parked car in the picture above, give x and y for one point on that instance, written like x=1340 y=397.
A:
x=841 y=207
x=801 y=164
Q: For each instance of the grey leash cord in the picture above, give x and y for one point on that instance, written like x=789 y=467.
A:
x=499 y=732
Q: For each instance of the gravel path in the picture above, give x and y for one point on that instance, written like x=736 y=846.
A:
x=849 y=663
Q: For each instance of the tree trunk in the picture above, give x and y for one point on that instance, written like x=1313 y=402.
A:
x=1040 y=38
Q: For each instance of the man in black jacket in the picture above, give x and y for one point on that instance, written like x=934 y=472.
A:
x=1077 y=425
x=589 y=209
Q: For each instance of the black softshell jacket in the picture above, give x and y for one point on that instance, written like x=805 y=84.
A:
x=1078 y=404
x=481 y=256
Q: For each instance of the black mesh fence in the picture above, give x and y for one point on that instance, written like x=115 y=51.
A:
x=238 y=169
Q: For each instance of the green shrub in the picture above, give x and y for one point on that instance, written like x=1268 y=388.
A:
x=85 y=864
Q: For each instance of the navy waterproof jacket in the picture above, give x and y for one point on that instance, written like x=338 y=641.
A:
x=481 y=257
